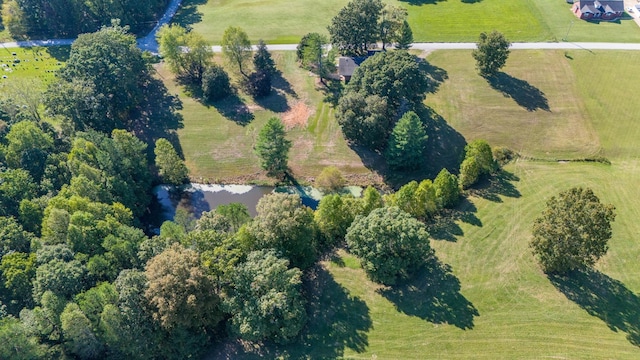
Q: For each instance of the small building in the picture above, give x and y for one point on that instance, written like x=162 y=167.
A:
x=347 y=65
x=608 y=10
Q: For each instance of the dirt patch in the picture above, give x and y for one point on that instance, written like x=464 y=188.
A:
x=297 y=116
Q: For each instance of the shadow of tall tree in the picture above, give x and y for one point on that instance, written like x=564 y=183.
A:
x=523 y=93
x=444 y=226
x=422 y=2
x=500 y=183
x=188 y=13
x=279 y=82
x=436 y=75
x=603 y=297
x=233 y=108
x=434 y=295
x=276 y=101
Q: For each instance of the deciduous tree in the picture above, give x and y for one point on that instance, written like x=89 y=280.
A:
x=265 y=301
x=215 y=83
x=171 y=168
x=573 y=231
x=447 y=189
x=236 y=48
x=356 y=27
x=491 y=53
x=390 y=244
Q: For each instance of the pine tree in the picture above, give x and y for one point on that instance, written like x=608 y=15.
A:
x=273 y=148
x=407 y=143
x=405 y=37
x=262 y=61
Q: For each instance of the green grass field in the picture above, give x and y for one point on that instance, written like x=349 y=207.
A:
x=494 y=302
x=281 y=21
x=28 y=67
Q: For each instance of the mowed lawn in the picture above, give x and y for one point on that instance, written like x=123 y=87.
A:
x=281 y=21
x=29 y=68
x=217 y=140
x=491 y=300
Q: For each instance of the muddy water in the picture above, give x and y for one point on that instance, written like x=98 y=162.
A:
x=198 y=198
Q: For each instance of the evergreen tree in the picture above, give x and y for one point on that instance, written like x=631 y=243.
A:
x=272 y=147
x=407 y=143
x=405 y=37
x=262 y=61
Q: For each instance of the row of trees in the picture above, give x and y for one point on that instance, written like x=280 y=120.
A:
x=68 y=18
x=190 y=58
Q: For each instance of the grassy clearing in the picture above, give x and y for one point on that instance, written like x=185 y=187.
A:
x=280 y=21
x=536 y=108
x=495 y=302
x=32 y=67
x=217 y=148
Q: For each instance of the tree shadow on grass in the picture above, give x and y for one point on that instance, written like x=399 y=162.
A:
x=332 y=91
x=500 y=183
x=276 y=101
x=422 y=2
x=280 y=83
x=444 y=226
x=523 y=93
x=603 y=297
x=233 y=108
x=337 y=321
x=188 y=13
x=433 y=295
x=436 y=75
x=60 y=53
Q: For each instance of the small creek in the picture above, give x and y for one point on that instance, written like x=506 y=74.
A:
x=199 y=198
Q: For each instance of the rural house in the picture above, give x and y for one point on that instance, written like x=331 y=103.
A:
x=348 y=64
x=598 y=9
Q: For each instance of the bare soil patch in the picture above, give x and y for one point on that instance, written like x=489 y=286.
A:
x=297 y=116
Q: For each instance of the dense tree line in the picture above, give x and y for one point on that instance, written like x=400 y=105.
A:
x=68 y=18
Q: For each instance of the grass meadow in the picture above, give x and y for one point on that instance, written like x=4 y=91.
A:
x=486 y=297
x=282 y=21
x=29 y=68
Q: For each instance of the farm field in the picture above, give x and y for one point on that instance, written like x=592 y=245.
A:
x=493 y=301
x=280 y=21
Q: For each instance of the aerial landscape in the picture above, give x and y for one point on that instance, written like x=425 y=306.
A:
x=363 y=179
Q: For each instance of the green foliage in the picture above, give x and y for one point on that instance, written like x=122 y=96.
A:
x=371 y=200
x=355 y=27
x=15 y=185
x=392 y=20
x=447 y=189
x=265 y=301
x=333 y=217
x=262 y=61
x=18 y=270
x=44 y=320
x=63 y=278
x=313 y=55
x=236 y=213
x=236 y=48
x=272 y=147
x=17 y=342
x=13 y=237
x=405 y=38
x=478 y=161
x=106 y=84
x=215 y=83
x=27 y=145
x=189 y=66
x=407 y=143
x=180 y=292
x=573 y=231
x=491 y=53
x=503 y=155
x=396 y=76
x=287 y=226
x=330 y=179
x=364 y=119
x=418 y=200
x=390 y=244
x=79 y=337
x=171 y=168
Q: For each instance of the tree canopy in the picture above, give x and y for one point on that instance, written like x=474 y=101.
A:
x=236 y=48
x=491 y=53
x=356 y=27
x=573 y=231
x=407 y=143
x=272 y=147
x=265 y=301
x=390 y=244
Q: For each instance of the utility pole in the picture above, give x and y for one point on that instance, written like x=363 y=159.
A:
x=566 y=36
